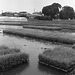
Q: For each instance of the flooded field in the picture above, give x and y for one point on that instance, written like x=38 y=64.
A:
x=10 y=26
x=33 y=48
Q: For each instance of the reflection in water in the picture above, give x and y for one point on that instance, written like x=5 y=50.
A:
x=50 y=70
x=16 y=71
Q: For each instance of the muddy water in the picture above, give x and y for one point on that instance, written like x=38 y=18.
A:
x=33 y=48
x=10 y=26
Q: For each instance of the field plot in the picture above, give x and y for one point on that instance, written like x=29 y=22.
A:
x=62 y=58
x=42 y=27
x=59 y=25
x=11 y=57
x=52 y=28
x=5 y=20
x=33 y=48
x=67 y=38
x=50 y=23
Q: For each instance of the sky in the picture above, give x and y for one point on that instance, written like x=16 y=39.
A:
x=30 y=5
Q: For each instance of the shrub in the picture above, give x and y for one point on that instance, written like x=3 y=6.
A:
x=60 y=57
x=43 y=18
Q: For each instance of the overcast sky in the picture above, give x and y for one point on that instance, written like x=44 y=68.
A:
x=30 y=5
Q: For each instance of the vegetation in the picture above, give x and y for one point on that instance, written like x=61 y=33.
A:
x=43 y=18
x=67 y=12
x=3 y=48
x=11 y=57
x=51 y=10
x=57 y=25
x=60 y=57
x=54 y=27
x=11 y=60
x=9 y=51
x=42 y=27
x=56 y=11
x=67 y=38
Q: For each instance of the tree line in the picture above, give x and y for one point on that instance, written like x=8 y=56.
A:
x=56 y=11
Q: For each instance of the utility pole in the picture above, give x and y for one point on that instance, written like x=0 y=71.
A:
x=2 y=11
x=34 y=10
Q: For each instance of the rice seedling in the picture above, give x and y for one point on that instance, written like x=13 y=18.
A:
x=42 y=27
x=10 y=57
x=62 y=58
x=11 y=60
x=3 y=47
x=60 y=37
x=9 y=51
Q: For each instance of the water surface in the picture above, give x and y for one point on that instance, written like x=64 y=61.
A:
x=33 y=48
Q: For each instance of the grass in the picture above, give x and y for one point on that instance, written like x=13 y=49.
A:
x=62 y=58
x=3 y=47
x=9 y=51
x=11 y=60
x=11 y=57
x=42 y=27
x=58 y=25
x=12 y=23
x=54 y=36
x=61 y=23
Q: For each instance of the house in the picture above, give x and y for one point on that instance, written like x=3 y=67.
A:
x=10 y=14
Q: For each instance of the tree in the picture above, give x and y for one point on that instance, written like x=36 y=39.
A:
x=67 y=12
x=51 y=10
x=74 y=15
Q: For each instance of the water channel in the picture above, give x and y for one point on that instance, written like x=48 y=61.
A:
x=33 y=48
